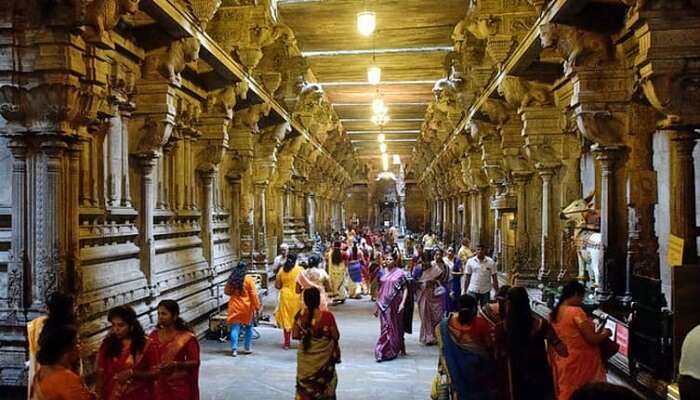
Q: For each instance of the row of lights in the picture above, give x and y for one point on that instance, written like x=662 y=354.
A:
x=366 y=25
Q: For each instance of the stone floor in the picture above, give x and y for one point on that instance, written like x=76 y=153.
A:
x=269 y=373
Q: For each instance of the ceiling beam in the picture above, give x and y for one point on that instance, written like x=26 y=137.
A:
x=403 y=50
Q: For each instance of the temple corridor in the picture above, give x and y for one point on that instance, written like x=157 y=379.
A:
x=269 y=373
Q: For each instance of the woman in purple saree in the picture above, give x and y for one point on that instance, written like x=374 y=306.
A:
x=391 y=305
x=429 y=299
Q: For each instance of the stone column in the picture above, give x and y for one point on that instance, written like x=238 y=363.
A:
x=18 y=257
x=607 y=156
x=207 y=177
x=259 y=226
x=311 y=213
x=682 y=210
x=402 y=215
x=547 y=237
x=148 y=250
x=235 y=219
x=522 y=239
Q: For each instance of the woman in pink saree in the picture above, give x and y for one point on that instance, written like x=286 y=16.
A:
x=391 y=304
x=429 y=299
x=178 y=355
x=315 y=277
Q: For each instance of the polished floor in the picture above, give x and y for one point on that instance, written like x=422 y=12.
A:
x=269 y=373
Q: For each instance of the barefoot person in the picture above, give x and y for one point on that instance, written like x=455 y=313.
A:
x=243 y=302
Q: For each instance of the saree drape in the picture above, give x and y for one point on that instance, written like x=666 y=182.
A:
x=316 y=376
x=430 y=305
x=115 y=389
x=180 y=384
x=392 y=321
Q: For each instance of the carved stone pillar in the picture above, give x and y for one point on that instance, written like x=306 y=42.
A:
x=402 y=215
x=522 y=239
x=235 y=222
x=259 y=226
x=607 y=156
x=147 y=245
x=547 y=238
x=207 y=177
x=311 y=213
x=682 y=188
x=16 y=272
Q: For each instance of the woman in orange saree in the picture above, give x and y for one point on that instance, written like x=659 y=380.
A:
x=55 y=379
x=126 y=360
x=583 y=364
x=178 y=355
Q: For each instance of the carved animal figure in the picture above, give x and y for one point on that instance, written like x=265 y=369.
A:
x=103 y=15
x=588 y=242
x=227 y=97
x=521 y=93
x=480 y=27
x=578 y=47
x=249 y=117
x=169 y=63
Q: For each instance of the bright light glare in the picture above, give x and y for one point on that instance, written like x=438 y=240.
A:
x=385 y=161
x=397 y=159
x=380 y=119
x=382 y=147
x=378 y=106
x=381 y=137
x=374 y=75
x=366 y=22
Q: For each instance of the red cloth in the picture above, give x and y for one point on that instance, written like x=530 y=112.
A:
x=179 y=384
x=109 y=368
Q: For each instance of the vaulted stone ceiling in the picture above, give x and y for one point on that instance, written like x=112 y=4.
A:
x=410 y=45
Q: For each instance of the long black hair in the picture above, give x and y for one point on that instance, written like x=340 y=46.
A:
x=467 y=309
x=290 y=263
x=237 y=276
x=312 y=299
x=113 y=345
x=336 y=257
x=174 y=309
x=501 y=298
x=519 y=318
x=571 y=289
x=313 y=261
x=61 y=308
x=63 y=338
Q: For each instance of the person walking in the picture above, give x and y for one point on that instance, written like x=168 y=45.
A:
x=429 y=299
x=289 y=301
x=243 y=303
x=338 y=273
x=391 y=305
x=480 y=276
x=314 y=277
x=583 y=364
x=319 y=351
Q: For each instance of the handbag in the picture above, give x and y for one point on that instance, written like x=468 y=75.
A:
x=608 y=348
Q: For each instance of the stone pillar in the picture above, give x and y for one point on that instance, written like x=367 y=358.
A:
x=207 y=177
x=402 y=215
x=547 y=237
x=148 y=250
x=16 y=272
x=259 y=225
x=522 y=239
x=607 y=156
x=311 y=213
x=682 y=210
x=235 y=218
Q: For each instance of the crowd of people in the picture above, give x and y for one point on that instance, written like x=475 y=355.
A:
x=487 y=348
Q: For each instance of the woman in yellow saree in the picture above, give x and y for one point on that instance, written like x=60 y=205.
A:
x=319 y=350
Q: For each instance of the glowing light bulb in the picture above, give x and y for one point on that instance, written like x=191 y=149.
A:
x=380 y=119
x=381 y=138
x=397 y=159
x=382 y=147
x=374 y=75
x=366 y=22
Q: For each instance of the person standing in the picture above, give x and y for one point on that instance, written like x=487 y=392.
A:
x=127 y=360
x=430 y=299
x=243 y=303
x=289 y=300
x=584 y=363
x=281 y=258
x=480 y=276
x=61 y=312
x=522 y=339
x=319 y=351
x=391 y=304
x=689 y=367
x=454 y=267
x=338 y=272
x=314 y=277
x=56 y=379
x=178 y=355
x=465 y=251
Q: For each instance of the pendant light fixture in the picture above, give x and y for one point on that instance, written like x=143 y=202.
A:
x=366 y=22
x=374 y=74
x=382 y=147
x=385 y=161
x=381 y=138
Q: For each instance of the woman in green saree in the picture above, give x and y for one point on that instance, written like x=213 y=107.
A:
x=319 y=350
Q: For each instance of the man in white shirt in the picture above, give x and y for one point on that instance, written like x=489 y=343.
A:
x=480 y=276
x=689 y=367
x=280 y=259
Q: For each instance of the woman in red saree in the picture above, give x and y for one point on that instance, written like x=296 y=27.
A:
x=178 y=355
x=126 y=359
x=319 y=350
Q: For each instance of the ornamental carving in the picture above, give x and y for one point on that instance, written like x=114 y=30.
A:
x=578 y=47
x=248 y=118
x=522 y=93
x=103 y=15
x=224 y=100
x=169 y=62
